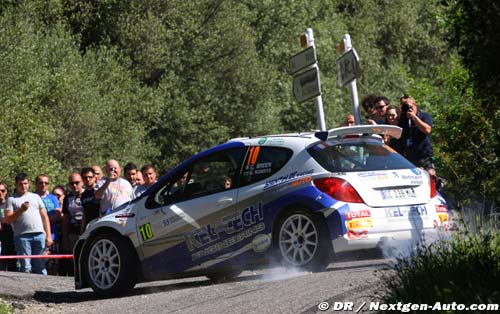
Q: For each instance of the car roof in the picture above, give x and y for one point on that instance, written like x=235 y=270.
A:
x=336 y=133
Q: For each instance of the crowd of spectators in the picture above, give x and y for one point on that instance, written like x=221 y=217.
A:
x=50 y=222
x=415 y=142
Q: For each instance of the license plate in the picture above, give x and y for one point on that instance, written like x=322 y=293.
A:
x=398 y=194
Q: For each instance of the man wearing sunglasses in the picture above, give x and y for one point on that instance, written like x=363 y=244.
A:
x=89 y=202
x=115 y=191
x=381 y=104
x=72 y=216
x=51 y=202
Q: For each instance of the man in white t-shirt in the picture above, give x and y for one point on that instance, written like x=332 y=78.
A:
x=32 y=234
x=115 y=191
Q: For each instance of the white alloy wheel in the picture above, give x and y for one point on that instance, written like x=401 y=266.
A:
x=104 y=264
x=298 y=239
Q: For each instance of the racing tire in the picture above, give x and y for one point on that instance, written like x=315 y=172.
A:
x=223 y=276
x=301 y=240
x=110 y=265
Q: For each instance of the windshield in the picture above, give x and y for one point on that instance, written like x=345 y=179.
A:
x=355 y=157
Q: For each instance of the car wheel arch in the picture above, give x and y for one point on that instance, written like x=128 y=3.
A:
x=288 y=211
x=111 y=232
x=295 y=206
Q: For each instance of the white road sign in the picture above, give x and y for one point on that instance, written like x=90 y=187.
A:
x=348 y=65
x=306 y=85
x=303 y=59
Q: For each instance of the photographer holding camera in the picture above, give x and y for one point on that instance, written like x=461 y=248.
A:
x=115 y=191
x=417 y=128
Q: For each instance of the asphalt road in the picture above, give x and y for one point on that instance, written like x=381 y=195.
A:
x=274 y=290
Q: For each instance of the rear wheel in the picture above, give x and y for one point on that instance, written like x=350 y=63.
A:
x=301 y=240
x=110 y=265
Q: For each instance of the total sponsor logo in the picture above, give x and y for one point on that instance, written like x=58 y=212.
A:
x=365 y=213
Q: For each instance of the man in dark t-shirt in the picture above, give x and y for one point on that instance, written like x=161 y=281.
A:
x=89 y=202
x=416 y=143
x=417 y=128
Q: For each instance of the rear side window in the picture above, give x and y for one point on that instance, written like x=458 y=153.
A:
x=356 y=157
x=262 y=162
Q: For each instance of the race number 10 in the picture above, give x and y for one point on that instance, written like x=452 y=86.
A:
x=146 y=231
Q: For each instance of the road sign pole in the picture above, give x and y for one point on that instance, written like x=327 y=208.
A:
x=319 y=100
x=352 y=86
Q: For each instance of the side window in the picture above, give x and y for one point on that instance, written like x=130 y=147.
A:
x=211 y=174
x=262 y=162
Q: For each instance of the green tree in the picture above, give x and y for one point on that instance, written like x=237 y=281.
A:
x=65 y=110
x=473 y=143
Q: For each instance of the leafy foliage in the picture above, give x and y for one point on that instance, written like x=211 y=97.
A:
x=430 y=275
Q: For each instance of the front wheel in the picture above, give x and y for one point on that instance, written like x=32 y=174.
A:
x=109 y=265
x=301 y=240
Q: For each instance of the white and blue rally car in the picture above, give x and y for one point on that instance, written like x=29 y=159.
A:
x=293 y=198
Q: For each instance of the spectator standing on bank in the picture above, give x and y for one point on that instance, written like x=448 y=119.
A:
x=99 y=175
x=26 y=212
x=149 y=174
x=132 y=176
x=368 y=104
x=131 y=173
x=416 y=139
x=150 y=177
x=60 y=192
x=392 y=114
x=115 y=191
x=89 y=202
x=139 y=179
x=6 y=233
x=392 y=118
x=52 y=205
x=72 y=212
x=53 y=208
x=349 y=121
x=381 y=104
x=72 y=219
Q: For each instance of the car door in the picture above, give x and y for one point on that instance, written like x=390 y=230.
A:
x=183 y=220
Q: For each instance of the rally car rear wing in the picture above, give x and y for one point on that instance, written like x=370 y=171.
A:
x=381 y=129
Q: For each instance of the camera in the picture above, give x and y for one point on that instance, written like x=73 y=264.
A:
x=405 y=108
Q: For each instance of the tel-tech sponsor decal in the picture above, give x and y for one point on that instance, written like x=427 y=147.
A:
x=243 y=224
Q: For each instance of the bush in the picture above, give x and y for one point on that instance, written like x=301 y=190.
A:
x=464 y=269
x=5 y=308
